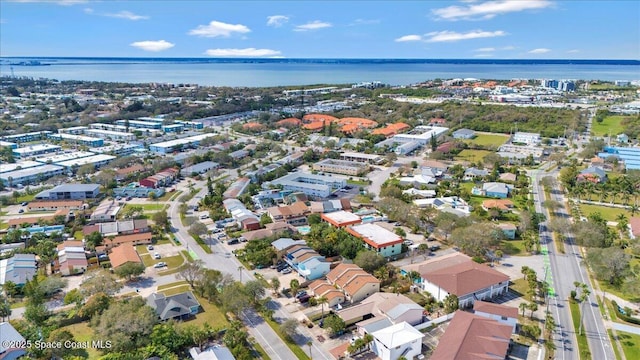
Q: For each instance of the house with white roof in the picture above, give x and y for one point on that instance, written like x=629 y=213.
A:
x=397 y=341
x=377 y=238
x=450 y=204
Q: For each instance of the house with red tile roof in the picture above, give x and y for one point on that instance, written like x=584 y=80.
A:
x=391 y=129
x=500 y=204
x=457 y=274
x=355 y=283
x=253 y=126
x=314 y=126
x=324 y=118
x=501 y=313
x=437 y=121
x=471 y=337
x=634 y=227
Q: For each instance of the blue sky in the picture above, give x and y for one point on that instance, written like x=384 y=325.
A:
x=501 y=29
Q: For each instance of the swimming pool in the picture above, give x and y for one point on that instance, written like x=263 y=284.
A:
x=304 y=230
x=369 y=218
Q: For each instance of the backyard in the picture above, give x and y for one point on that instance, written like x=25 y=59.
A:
x=608 y=213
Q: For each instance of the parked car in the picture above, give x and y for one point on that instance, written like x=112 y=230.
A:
x=20 y=211
x=156 y=255
x=149 y=247
x=160 y=265
x=287 y=270
x=129 y=198
x=301 y=293
x=24 y=203
x=304 y=299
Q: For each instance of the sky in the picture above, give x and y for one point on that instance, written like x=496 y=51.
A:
x=500 y=29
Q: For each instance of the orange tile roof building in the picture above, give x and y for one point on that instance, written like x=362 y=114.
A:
x=289 y=122
x=391 y=129
x=123 y=254
x=471 y=337
x=500 y=204
x=355 y=283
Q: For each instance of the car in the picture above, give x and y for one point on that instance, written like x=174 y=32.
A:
x=408 y=242
x=103 y=256
x=304 y=299
x=160 y=264
x=156 y=255
x=20 y=211
x=434 y=247
x=118 y=198
x=233 y=241
x=282 y=267
x=129 y=198
x=301 y=293
x=149 y=247
x=242 y=239
x=24 y=203
x=287 y=270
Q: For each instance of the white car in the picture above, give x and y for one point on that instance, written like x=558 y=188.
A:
x=156 y=255
x=160 y=265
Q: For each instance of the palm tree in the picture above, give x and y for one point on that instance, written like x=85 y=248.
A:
x=523 y=306
x=533 y=307
x=322 y=300
x=634 y=209
x=294 y=285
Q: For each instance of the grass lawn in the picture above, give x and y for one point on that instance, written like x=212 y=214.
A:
x=608 y=213
x=82 y=332
x=168 y=195
x=583 y=346
x=489 y=139
x=26 y=198
x=514 y=247
x=176 y=290
x=173 y=262
x=472 y=155
x=173 y=284
x=630 y=345
x=17 y=304
x=187 y=255
x=146 y=207
x=520 y=286
x=142 y=249
x=3 y=225
x=78 y=235
x=615 y=348
x=357 y=182
x=210 y=314
x=610 y=124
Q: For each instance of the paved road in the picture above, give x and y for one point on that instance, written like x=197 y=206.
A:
x=565 y=269
x=219 y=260
x=626 y=328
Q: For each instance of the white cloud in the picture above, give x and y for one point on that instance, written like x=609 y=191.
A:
x=486 y=49
x=573 y=51
x=508 y=48
x=364 y=22
x=313 y=25
x=217 y=28
x=407 y=38
x=445 y=36
x=488 y=9
x=58 y=2
x=277 y=20
x=248 y=52
x=483 y=55
x=153 y=45
x=539 y=51
x=128 y=15
x=88 y=10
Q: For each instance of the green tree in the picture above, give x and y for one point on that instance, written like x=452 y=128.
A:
x=161 y=219
x=255 y=290
x=265 y=219
x=294 y=285
x=450 y=303
x=275 y=284
x=191 y=272
x=95 y=305
x=93 y=240
x=335 y=324
x=73 y=297
x=100 y=281
x=369 y=261
x=129 y=270
x=289 y=329
x=609 y=264
x=127 y=324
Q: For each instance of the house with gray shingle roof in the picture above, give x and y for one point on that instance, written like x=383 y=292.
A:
x=179 y=306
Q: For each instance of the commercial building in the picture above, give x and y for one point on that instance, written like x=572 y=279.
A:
x=24 y=164
x=391 y=129
x=312 y=185
x=75 y=130
x=168 y=147
x=26 y=137
x=18 y=269
x=35 y=150
x=377 y=238
x=137 y=124
x=95 y=160
x=457 y=274
x=404 y=144
x=362 y=157
x=111 y=135
x=629 y=155
x=464 y=134
x=199 y=168
x=341 y=218
x=526 y=138
x=8 y=144
x=77 y=139
x=192 y=125
x=63 y=156
x=55 y=205
x=72 y=258
x=137 y=191
x=30 y=175
x=343 y=167
x=173 y=128
x=70 y=192
x=118 y=149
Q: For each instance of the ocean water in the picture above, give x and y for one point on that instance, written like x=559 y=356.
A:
x=287 y=72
